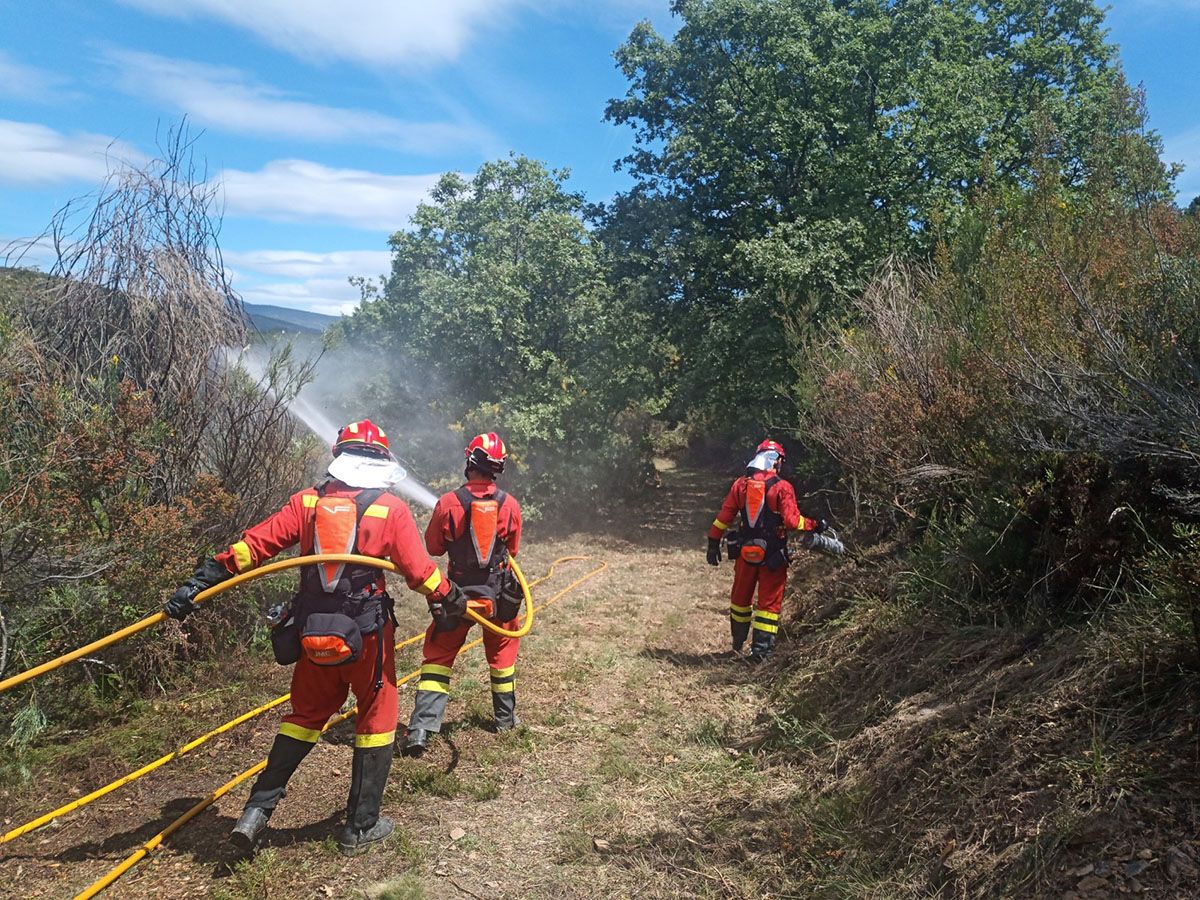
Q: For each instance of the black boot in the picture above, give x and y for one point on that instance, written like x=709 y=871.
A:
x=426 y=719
x=761 y=646
x=269 y=788
x=739 y=631
x=415 y=742
x=368 y=777
x=504 y=708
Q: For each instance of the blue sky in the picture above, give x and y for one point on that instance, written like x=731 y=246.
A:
x=327 y=121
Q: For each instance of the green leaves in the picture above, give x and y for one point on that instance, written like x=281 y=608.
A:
x=500 y=304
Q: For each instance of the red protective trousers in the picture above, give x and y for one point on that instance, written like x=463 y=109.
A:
x=319 y=691
x=441 y=647
x=770 y=586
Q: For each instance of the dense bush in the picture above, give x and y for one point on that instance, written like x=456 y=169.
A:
x=1026 y=405
x=130 y=445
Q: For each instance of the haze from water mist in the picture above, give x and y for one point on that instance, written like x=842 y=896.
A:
x=253 y=360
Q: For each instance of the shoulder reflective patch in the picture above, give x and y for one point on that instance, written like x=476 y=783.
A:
x=309 y=500
x=376 y=511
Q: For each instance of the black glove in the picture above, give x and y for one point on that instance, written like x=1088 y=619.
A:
x=448 y=612
x=714 y=551
x=183 y=602
x=822 y=526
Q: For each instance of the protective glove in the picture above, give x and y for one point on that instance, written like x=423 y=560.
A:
x=183 y=602
x=714 y=552
x=448 y=611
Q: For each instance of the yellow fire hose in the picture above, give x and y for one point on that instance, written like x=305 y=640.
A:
x=85 y=800
x=155 y=842
x=277 y=566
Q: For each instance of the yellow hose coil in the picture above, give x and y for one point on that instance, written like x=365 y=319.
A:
x=277 y=566
x=155 y=842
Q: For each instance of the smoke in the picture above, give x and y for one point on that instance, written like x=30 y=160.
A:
x=329 y=401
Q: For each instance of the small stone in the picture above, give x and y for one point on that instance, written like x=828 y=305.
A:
x=1145 y=854
x=1135 y=868
x=1135 y=886
x=491 y=884
x=1092 y=883
x=1103 y=868
x=457 y=834
x=600 y=844
x=1080 y=871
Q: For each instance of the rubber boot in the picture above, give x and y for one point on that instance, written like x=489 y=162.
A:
x=739 y=631
x=761 y=645
x=415 y=742
x=368 y=777
x=504 y=708
x=427 y=715
x=269 y=788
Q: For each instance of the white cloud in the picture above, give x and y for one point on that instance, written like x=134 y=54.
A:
x=36 y=154
x=229 y=99
x=376 y=32
x=27 y=83
x=296 y=190
x=331 y=296
x=303 y=264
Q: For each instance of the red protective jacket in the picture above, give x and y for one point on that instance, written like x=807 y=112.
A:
x=781 y=499
x=387 y=531
x=448 y=517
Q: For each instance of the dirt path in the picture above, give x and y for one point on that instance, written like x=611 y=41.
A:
x=633 y=711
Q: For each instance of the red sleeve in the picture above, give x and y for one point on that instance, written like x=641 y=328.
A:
x=729 y=511
x=404 y=549
x=513 y=536
x=439 y=526
x=267 y=538
x=792 y=520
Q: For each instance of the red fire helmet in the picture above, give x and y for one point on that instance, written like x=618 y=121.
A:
x=363 y=436
x=487 y=452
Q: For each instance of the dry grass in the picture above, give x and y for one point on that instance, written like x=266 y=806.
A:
x=877 y=757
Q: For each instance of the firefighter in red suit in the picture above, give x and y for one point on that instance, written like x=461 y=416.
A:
x=337 y=607
x=479 y=526
x=767 y=505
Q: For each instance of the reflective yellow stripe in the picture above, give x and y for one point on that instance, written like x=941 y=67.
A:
x=735 y=608
x=376 y=511
x=763 y=614
x=242 y=557
x=374 y=740
x=719 y=525
x=500 y=673
x=438 y=686
x=435 y=669
x=738 y=617
x=505 y=687
x=301 y=734
x=431 y=583
x=310 y=500
x=759 y=625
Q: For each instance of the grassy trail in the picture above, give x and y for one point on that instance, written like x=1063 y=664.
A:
x=632 y=708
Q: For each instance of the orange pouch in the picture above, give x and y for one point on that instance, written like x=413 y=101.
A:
x=331 y=639
x=754 y=552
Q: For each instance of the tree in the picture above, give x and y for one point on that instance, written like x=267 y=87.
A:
x=499 y=305
x=785 y=147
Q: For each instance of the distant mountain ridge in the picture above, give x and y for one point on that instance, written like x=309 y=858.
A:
x=267 y=317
